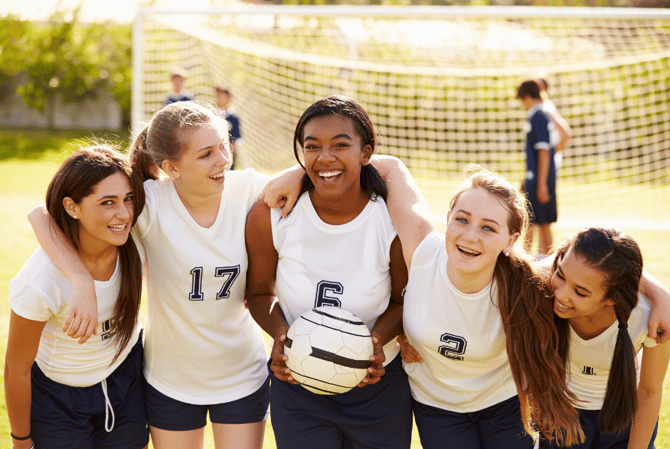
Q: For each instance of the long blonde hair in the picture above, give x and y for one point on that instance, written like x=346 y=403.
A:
x=538 y=369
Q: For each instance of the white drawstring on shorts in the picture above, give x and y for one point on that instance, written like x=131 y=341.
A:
x=108 y=407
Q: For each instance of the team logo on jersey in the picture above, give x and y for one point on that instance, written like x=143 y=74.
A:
x=106 y=327
x=588 y=370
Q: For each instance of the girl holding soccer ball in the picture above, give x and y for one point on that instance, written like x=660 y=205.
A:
x=602 y=325
x=204 y=353
x=60 y=393
x=337 y=247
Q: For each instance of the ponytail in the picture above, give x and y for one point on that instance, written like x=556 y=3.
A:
x=140 y=159
x=620 y=402
x=619 y=258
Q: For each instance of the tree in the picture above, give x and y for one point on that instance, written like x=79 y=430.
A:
x=14 y=35
x=64 y=63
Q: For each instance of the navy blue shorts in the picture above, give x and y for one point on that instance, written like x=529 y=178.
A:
x=74 y=417
x=594 y=439
x=374 y=416
x=495 y=427
x=541 y=213
x=166 y=413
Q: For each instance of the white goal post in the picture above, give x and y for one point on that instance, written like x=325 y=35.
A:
x=439 y=84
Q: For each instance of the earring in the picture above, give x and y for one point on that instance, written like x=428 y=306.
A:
x=506 y=253
x=74 y=216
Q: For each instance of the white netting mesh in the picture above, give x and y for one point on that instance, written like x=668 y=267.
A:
x=440 y=87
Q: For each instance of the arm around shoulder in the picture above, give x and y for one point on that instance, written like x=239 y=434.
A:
x=82 y=318
x=407 y=206
x=659 y=297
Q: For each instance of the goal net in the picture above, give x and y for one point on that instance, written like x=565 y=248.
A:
x=440 y=86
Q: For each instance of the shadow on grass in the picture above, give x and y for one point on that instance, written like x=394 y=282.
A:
x=35 y=143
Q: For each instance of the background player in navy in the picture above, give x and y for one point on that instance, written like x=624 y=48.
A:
x=602 y=326
x=561 y=132
x=223 y=97
x=61 y=393
x=339 y=232
x=179 y=91
x=540 y=180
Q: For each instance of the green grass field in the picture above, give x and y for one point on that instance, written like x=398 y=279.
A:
x=26 y=172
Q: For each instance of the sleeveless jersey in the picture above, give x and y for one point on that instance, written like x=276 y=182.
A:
x=344 y=265
x=460 y=337
x=41 y=292
x=201 y=344
x=590 y=360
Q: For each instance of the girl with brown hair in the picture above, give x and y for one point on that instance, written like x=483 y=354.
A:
x=602 y=325
x=476 y=312
x=60 y=393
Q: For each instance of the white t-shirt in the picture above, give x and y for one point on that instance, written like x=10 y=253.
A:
x=344 y=265
x=554 y=136
x=201 y=344
x=459 y=336
x=590 y=360
x=41 y=292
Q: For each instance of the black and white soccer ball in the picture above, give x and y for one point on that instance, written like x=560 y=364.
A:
x=328 y=350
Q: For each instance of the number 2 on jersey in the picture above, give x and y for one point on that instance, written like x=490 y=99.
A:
x=228 y=273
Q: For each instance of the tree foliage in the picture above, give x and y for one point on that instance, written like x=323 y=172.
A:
x=67 y=60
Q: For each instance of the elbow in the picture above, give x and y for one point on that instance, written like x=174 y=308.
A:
x=37 y=213
x=649 y=394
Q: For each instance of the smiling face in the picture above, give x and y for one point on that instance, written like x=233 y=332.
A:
x=579 y=290
x=477 y=232
x=334 y=155
x=200 y=170
x=106 y=215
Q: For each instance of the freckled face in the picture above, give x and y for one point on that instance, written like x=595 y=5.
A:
x=477 y=233
x=579 y=289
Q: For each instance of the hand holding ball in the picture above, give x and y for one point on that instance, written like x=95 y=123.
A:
x=328 y=350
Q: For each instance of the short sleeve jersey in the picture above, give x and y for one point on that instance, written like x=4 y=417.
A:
x=550 y=108
x=41 y=292
x=174 y=98
x=459 y=336
x=201 y=344
x=537 y=129
x=343 y=266
x=234 y=123
x=590 y=360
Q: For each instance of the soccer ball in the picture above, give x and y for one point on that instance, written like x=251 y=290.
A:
x=328 y=350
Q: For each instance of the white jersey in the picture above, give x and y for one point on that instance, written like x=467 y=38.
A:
x=460 y=337
x=344 y=265
x=550 y=109
x=201 y=344
x=41 y=292
x=590 y=360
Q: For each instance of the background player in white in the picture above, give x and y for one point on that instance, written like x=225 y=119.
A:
x=60 y=393
x=602 y=327
x=476 y=314
x=337 y=248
